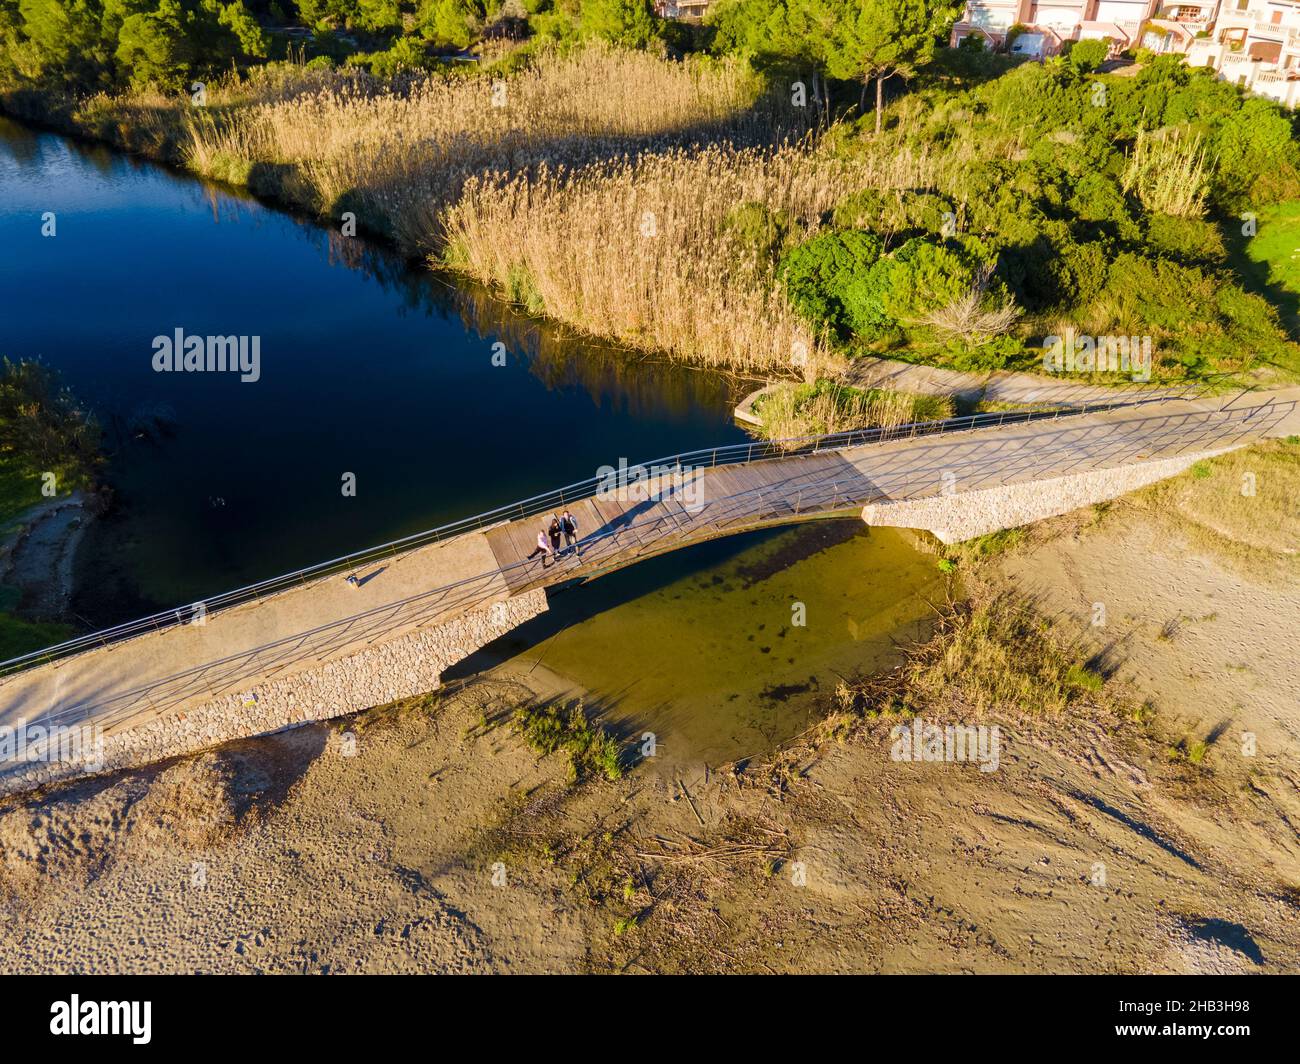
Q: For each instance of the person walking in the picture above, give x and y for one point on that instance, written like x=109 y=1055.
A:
x=555 y=533
x=569 y=524
x=543 y=547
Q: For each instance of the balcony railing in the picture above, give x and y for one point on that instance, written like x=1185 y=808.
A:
x=1253 y=20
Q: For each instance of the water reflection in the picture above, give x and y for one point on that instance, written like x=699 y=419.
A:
x=370 y=366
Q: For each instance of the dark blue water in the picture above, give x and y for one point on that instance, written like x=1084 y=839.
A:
x=367 y=367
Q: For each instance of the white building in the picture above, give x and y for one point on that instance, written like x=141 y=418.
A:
x=1049 y=24
x=1253 y=43
x=685 y=9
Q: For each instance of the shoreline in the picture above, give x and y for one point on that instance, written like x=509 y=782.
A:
x=865 y=371
x=270 y=199
x=39 y=555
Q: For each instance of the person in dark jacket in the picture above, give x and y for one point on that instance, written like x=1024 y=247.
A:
x=569 y=525
x=555 y=532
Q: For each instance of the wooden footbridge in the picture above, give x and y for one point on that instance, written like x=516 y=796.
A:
x=166 y=663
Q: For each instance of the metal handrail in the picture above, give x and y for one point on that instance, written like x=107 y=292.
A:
x=705 y=458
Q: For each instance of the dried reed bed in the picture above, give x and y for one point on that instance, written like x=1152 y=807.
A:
x=398 y=153
x=638 y=250
x=162 y=125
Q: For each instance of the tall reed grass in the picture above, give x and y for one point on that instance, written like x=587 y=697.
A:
x=640 y=250
x=398 y=153
x=1170 y=172
x=594 y=185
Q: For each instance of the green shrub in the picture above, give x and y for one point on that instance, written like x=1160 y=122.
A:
x=1000 y=352
x=1052 y=270
x=1199 y=321
x=1086 y=56
x=889 y=212
x=406 y=53
x=1189 y=240
x=818 y=273
x=901 y=288
x=1257 y=157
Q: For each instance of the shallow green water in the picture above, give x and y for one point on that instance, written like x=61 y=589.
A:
x=701 y=647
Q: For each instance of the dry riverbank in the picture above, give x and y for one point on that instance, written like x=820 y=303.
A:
x=431 y=837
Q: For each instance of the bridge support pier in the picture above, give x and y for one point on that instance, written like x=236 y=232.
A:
x=409 y=664
x=965 y=515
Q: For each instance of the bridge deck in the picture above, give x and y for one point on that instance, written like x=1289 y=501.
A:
x=167 y=671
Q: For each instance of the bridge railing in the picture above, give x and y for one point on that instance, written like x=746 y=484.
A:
x=705 y=458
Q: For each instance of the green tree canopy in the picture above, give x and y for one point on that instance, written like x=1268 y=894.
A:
x=153 y=47
x=629 y=22
x=104 y=43
x=874 y=40
x=852 y=40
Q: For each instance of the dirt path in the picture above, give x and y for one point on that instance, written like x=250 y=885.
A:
x=39 y=558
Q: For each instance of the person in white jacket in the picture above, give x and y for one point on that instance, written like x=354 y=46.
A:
x=543 y=548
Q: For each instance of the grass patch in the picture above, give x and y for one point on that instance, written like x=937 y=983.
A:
x=1240 y=505
x=1190 y=752
x=20 y=490
x=991 y=545
x=990 y=654
x=790 y=411
x=1000 y=406
x=22 y=637
x=999 y=655
x=551 y=728
x=1276 y=245
x=1081 y=678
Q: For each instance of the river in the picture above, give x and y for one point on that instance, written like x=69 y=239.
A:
x=377 y=372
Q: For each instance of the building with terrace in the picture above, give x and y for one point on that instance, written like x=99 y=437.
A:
x=1252 y=43
x=682 y=9
x=1045 y=26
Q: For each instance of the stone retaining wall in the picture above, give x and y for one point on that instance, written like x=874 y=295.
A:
x=405 y=666
x=964 y=515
